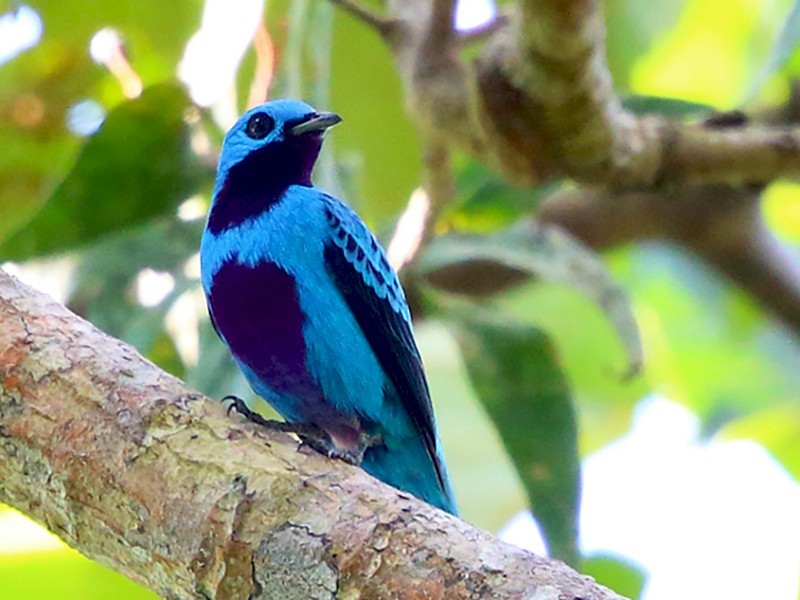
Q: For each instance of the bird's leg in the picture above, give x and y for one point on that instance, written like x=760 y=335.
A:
x=344 y=448
x=322 y=442
x=310 y=435
x=238 y=405
x=301 y=429
x=313 y=436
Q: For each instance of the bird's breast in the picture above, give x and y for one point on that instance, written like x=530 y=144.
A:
x=256 y=309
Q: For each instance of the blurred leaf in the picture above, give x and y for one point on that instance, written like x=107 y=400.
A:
x=619 y=574
x=783 y=48
x=591 y=355
x=475 y=454
x=777 y=429
x=709 y=346
x=319 y=44
x=668 y=107
x=632 y=26
x=154 y=37
x=781 y=210
x=516 y=375
x=377 y=139
x=164 y=353
x=710 y=53
x=45 y=568
x=377 y=145
x=105 y=284
x=39 y=86
x=531 y=249
x=67 y=574
x=137 y=166
x=485 y=201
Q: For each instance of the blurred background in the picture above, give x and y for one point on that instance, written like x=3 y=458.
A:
x=678 y=480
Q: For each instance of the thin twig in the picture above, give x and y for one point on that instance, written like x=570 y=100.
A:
x=365 y=15
x=439 y=183
x=441 y=27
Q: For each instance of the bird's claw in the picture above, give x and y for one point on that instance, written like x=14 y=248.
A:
x=238 y=405
x=312 y=436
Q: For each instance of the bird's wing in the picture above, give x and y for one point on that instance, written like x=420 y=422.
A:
x=369 y=285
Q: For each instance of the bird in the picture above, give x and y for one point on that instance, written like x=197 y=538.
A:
x=302 y=294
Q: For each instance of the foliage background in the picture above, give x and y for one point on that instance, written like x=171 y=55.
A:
x=113 y=215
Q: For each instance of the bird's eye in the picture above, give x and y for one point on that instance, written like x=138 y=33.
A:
x=259 y=126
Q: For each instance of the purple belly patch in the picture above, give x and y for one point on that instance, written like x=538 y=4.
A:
x=257 y=311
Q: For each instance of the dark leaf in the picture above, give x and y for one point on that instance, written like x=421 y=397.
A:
x=137 y=166
x=515 y=372
x=668 y=107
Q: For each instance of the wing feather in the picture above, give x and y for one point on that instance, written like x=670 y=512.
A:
x=369 y=285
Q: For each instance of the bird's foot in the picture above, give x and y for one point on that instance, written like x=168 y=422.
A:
x=238 y=405
x=323 y=444
x=300 y=429
x=310 y=435
x=322 y=441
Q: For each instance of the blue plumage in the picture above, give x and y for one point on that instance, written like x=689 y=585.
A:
x=302 y=294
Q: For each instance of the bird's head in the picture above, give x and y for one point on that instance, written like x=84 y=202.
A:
x=276 y=143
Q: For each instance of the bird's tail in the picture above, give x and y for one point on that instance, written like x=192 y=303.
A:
x=405 y=464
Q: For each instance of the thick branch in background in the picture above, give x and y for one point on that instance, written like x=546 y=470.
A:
x=720 y=223
x=538 y=102
x=153 y=480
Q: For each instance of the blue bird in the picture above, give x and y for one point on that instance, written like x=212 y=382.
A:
x=302 y=294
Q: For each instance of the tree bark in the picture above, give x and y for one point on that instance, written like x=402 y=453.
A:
x=154 y=480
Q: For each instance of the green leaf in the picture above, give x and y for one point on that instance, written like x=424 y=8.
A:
x=137 y=166
x=105 y=278
x=668 y=107
x=617 y=573
x=776 y=428
x=485 y=201
x=377 y=145
x=709 y=346
x=40 y=85
x=516 y=374
x=164 y=353
x=528 y=250
x=377 y=138
x=631 y=28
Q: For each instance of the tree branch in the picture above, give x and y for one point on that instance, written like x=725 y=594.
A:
x=145 y=476
x=720 y=223
x=538 y=102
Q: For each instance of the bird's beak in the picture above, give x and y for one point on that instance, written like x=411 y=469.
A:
x=315 y=122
